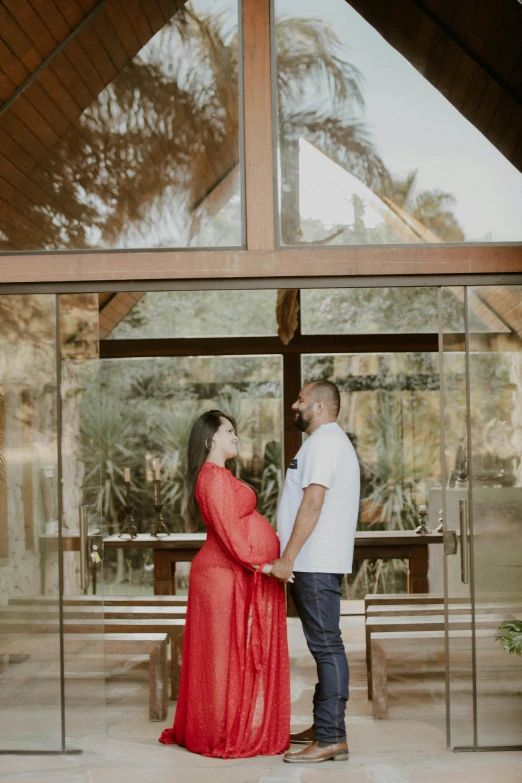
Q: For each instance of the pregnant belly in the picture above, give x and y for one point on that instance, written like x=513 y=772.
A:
x=262 y=537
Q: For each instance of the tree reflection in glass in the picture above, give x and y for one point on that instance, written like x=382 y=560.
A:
x=369 y=151
x=154 y=160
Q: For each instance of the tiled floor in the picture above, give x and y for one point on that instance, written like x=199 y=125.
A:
x=407 y=748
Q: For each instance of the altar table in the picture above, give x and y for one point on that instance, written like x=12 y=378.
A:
x=369 y=545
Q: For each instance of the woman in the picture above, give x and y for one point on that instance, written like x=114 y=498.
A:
x=234 y=697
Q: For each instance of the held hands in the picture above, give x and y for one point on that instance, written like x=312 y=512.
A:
x=269 y=571
x=282 y=570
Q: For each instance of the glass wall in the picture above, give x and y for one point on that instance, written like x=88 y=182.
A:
x=148 y=408
x=30 y=672
x=186 y=314
x=130 y=138
x=52 y=694
x=390 y=412
x=369 y=151
x=85 y=663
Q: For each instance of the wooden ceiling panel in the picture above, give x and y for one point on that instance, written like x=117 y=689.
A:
x=153 y=12
x=139 y=22
x=125 y=31
x=13 y=34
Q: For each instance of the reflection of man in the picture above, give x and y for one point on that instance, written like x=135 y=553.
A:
x=316 y=521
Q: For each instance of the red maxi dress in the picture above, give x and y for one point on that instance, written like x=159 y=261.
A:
x=234 y=696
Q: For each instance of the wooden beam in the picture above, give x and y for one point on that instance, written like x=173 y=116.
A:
x=259 y=173
x=4 y=536
x=292 y=437
x=238 y=346
x=312 y=262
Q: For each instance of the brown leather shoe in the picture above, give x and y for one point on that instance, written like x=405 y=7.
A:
x=313 y=754
x=302 y=737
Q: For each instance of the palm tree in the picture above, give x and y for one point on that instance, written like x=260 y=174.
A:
x=432 y=208
x=320 y=98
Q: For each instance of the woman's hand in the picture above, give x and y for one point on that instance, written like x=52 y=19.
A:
x=268 y=568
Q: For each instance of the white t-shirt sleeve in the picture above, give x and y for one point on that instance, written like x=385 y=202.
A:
x=320 y=464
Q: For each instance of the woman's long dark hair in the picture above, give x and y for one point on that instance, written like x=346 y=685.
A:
x=201 y=433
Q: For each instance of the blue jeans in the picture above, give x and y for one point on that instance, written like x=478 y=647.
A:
x=317 y=598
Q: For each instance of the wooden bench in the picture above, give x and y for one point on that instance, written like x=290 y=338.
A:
x=176 y=603
x=397 y=599
x=414 y=624
x=382 y=644
x=107 y=600
x=102 y=613
x=152 y=644
x=174 y=628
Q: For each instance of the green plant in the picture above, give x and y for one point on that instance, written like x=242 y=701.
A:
x=271 y=481
x=391 y=498
x=172 y=436
x=376 y=576
x=511 y=638
x=108 y=442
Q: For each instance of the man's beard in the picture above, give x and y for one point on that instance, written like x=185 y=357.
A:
x=303 y=419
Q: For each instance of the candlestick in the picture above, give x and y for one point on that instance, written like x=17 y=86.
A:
x=159 y=528
x=423 y=529
x=129 y=528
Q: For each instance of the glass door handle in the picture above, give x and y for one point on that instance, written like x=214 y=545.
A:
x=84 y=547
x=464 y=541
x=450 y=542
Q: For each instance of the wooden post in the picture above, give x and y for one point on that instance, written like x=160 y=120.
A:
x=418 y=570
x=164 y=573
x=380 y=681
x=158 y=683
x=291 y=388
x=259 y=175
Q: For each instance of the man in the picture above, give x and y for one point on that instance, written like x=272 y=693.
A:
x=316 y=522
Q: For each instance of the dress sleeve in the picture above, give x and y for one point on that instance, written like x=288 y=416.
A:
x=216 y=499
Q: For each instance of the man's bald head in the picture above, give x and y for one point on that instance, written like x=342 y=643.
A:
x=326 y=392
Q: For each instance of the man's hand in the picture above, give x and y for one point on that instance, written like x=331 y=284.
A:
x=283 y=570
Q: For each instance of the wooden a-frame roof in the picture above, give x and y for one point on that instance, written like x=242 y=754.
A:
x=57 y=56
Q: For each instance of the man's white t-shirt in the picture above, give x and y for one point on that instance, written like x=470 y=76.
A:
x=327 y=457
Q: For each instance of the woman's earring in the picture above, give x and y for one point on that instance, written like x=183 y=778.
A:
x=212 y=445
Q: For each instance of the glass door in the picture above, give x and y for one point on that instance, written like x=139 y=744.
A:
x=82 y=514
x=481 y=400
x=454 y=505
x=51 y=653
x=495 y=413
